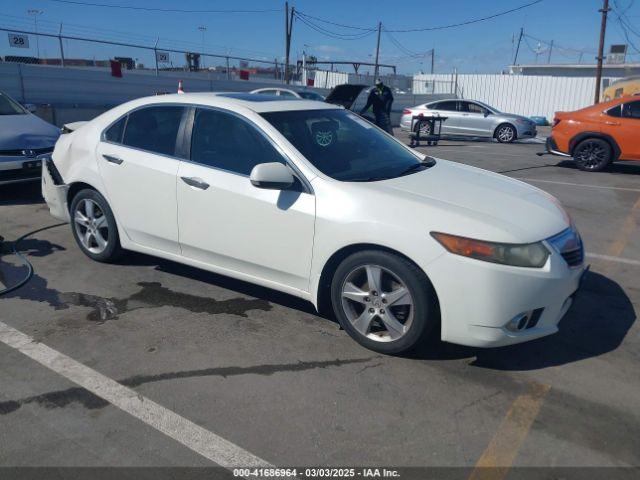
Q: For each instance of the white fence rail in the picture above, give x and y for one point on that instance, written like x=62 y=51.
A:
x=521 y=94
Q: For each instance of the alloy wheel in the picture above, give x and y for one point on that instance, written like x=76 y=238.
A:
x=506 y=134
x=91 y=226
x=377 y=302
x=592 y=154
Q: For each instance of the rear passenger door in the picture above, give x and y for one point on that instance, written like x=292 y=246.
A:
x=449 y=109
x=623 y=125
x=138 y=157
x=226 y=222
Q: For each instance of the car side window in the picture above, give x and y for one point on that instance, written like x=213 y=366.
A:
x=268 y=92
x=615 y=111
x=475 y=108
x=631 y=109
x=225 y=141
x=449 y=106
x=284 y=93
x=115 y=131
x=154 y=129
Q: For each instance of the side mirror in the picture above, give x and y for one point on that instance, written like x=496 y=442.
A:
x=31 y=107
x=487 y=113
x=271 y=176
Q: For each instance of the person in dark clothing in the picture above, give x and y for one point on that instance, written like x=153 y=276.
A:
x=381 y=99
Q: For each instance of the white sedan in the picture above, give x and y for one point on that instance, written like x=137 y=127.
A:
x=309 y=199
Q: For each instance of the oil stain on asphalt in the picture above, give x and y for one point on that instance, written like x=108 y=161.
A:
x=151 y=294
x=63 y=398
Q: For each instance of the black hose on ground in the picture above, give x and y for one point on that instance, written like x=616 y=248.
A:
x=24 y=259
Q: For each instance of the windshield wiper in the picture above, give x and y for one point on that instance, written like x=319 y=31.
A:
x=417 y=167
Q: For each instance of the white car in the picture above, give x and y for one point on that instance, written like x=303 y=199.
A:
x=291 y=94
x=309 y=199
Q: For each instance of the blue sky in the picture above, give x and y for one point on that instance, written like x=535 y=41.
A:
x=488 y=46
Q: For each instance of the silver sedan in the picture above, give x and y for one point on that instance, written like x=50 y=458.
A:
x=470 y=118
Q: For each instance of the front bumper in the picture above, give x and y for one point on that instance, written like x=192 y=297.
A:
x=18 y=169
x=526 y=131
x=479 y=299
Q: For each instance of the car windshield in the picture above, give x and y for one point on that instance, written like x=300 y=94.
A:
x=311 y=96
x=344 y=146
x=9 y=106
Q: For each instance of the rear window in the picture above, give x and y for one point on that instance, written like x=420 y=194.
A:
x=631 y=110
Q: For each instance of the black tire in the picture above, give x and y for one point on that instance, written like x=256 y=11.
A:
x=424 y=300
x=113 y=250
x=593 y=155
x=425 y=130
x=506 y=133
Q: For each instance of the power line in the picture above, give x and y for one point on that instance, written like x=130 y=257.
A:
x=468 y=22
x=332 y=34
x=151 y=9
x=329 y=22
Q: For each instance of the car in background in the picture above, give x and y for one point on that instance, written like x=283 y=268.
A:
x=598 y=135
x=25 y=140
x=540 y=120
x=288 y=93
x=622 y=87
x=470 y=118
x=309 y=199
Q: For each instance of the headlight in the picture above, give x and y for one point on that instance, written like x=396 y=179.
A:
x=526 y=255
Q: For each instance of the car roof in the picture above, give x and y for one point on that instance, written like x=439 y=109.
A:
x=230 y=100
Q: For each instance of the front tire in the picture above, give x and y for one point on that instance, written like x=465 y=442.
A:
x=94 y=226
x=506 y=133
x=383 y=301
x=593 y=155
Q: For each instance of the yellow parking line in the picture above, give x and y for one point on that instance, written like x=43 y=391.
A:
x=503 y=448
x=628 y=227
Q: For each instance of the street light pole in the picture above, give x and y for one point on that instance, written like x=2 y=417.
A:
x=202 y=29
x=35 y=13
x=375 y=70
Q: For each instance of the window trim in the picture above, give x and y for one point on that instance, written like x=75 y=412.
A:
x=141 y=107
x=188 y=136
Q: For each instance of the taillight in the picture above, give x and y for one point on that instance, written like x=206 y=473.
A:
x=406 y=111
x=556 y=121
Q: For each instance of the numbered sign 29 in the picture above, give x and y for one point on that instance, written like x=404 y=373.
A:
x=162 y=57
x=18 y=41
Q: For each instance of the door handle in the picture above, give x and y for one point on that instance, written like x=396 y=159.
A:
x=113 y=159
x=195 y=182
x=612 y=123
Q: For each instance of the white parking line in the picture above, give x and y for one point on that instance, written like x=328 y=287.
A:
x=625 y=189
x=192 y=436
x=610 y=258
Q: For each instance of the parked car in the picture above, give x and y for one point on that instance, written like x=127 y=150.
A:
x=24 y=141
x=470 y=118
x=540 y=120
x=287 y=92
x=598 y=135
x=309 y=199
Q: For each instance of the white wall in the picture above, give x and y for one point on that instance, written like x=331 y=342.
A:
x=521 y=94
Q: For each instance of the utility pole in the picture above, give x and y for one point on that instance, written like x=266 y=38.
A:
x=61 y=47
x=550 y=50
x=375 y=70
x=433 y=54
x=600 y=58
x=35 y=13
x=515 y=58
x=288 y=27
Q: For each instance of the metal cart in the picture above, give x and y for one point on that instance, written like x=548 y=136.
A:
x=435 y=127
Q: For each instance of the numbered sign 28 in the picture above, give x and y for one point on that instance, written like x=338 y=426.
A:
x=18 y=41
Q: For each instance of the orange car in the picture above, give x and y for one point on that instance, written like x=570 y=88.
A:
x=598 y=135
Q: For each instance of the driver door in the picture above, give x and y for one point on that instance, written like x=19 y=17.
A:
x=226 y=222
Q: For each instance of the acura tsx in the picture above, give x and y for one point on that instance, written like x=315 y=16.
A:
x=310 y=199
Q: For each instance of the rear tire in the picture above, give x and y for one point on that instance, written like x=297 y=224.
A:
x=593 y=155
x=384 y=301
x=94 y=226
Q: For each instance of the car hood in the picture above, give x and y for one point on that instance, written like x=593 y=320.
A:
x=476 y=203
x=26 y=131
x=513 y=116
